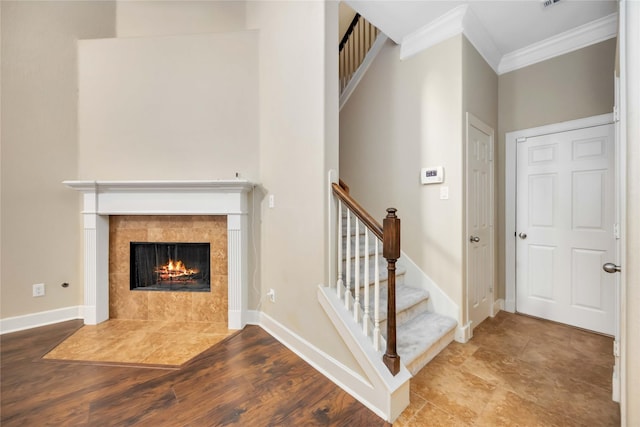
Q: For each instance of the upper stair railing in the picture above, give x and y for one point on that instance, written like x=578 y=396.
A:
x=356 y=227
x=355 y=44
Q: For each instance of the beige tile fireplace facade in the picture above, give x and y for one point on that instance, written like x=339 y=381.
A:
x=167 y=305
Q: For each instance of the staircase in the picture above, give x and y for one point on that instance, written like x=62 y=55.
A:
x=421 y=334
x=390 y=342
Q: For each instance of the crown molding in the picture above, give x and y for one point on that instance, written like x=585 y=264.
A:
x=585 y=35
x=481 y=40
x=439 y=30
x=462 y=20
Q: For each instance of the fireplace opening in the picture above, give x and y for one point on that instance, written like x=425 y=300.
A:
x=170 y=266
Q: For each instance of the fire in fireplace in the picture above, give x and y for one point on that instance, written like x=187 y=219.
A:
x=170 y=266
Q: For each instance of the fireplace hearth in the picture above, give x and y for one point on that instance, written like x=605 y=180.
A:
x=182 y=267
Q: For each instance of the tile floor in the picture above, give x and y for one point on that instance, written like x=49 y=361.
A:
x=140 y=342
x=517 y=370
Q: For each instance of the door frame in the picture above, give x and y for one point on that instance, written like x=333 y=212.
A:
x=472 y=120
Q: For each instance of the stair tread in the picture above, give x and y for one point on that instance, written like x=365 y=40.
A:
x=406 y=297
x=418 y=335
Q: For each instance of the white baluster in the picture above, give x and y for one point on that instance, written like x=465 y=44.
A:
x=340 y=282
x=376 y=303
x=356 y=269
x=347 y=258
x=366 y=319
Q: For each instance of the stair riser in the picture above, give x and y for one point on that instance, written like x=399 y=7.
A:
x=420 y=362
x=406 y=315
x=383 y=281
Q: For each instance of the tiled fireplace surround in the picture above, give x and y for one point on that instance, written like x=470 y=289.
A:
x=102 y=199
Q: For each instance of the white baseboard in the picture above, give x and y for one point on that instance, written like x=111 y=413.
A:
x=339 y=374
x=463 y=333
x=43 y=318
x=498 y=305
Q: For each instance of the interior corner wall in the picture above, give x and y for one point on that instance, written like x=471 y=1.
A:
x=480 y=98
x=40 y=221
x=572 y=86
x=405 y=115
x=295 y=147
x=171 y=17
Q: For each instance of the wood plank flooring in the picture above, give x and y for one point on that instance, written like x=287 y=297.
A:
x=249 y=379
x=516 y=370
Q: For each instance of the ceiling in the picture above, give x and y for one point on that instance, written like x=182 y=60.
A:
x=511 y=25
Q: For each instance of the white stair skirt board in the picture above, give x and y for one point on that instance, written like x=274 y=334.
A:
x=381 y=392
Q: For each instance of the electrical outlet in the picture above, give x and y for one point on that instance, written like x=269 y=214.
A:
x=272 y=295
x=38 y=290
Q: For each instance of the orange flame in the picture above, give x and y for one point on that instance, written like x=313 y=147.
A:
x=174 y=269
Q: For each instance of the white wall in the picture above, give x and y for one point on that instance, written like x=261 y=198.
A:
x=165 y=17
x=405 y=115
x=175 y=107
x=631 y=268
x=41 y=229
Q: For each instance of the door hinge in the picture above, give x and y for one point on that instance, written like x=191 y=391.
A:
x=616 y=349
x=616 y=114
x=616 y=230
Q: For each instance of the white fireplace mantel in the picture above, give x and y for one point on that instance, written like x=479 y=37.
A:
x=216 y=197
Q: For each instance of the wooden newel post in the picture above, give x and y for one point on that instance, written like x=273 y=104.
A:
x=391 y=252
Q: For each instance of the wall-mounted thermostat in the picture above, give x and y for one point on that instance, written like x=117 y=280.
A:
x=432 y=175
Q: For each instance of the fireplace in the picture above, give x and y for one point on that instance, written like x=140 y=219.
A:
x=182 y=267
x=105 y=200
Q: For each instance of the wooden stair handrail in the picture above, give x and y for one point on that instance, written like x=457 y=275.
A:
x=358 y=210
x=389 y=233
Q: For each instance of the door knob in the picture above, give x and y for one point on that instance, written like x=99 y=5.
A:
x=474 y=239
x=522 y=235
x=611 y=267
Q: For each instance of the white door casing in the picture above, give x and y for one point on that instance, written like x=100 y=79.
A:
x=479 y=220
x=565 y=226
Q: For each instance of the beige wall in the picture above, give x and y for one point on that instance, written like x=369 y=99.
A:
x=480 y=98
x=298 y=144
x=173 y=107
x=41 y=229
x=405 y=115
x=576 y=85
x=165 y=17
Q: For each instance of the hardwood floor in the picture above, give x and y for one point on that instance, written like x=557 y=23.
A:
x=516 y=370
x=249 y=379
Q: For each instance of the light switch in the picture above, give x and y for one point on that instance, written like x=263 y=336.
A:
x=444 y=193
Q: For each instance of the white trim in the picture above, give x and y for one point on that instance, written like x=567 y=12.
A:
x=362 y=69
x=510 y=190
x=478 y=36
x=436 y=31
x=461 y=20
x=464 y=333
x=214 y=197
x=43 y=318
x=439 y=302
x=498 y=305
x=585 y=35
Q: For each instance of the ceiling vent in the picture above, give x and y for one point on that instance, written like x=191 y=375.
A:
x=549 y=3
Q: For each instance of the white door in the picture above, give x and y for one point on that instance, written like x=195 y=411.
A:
x=565 y=227
x=479 y=239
